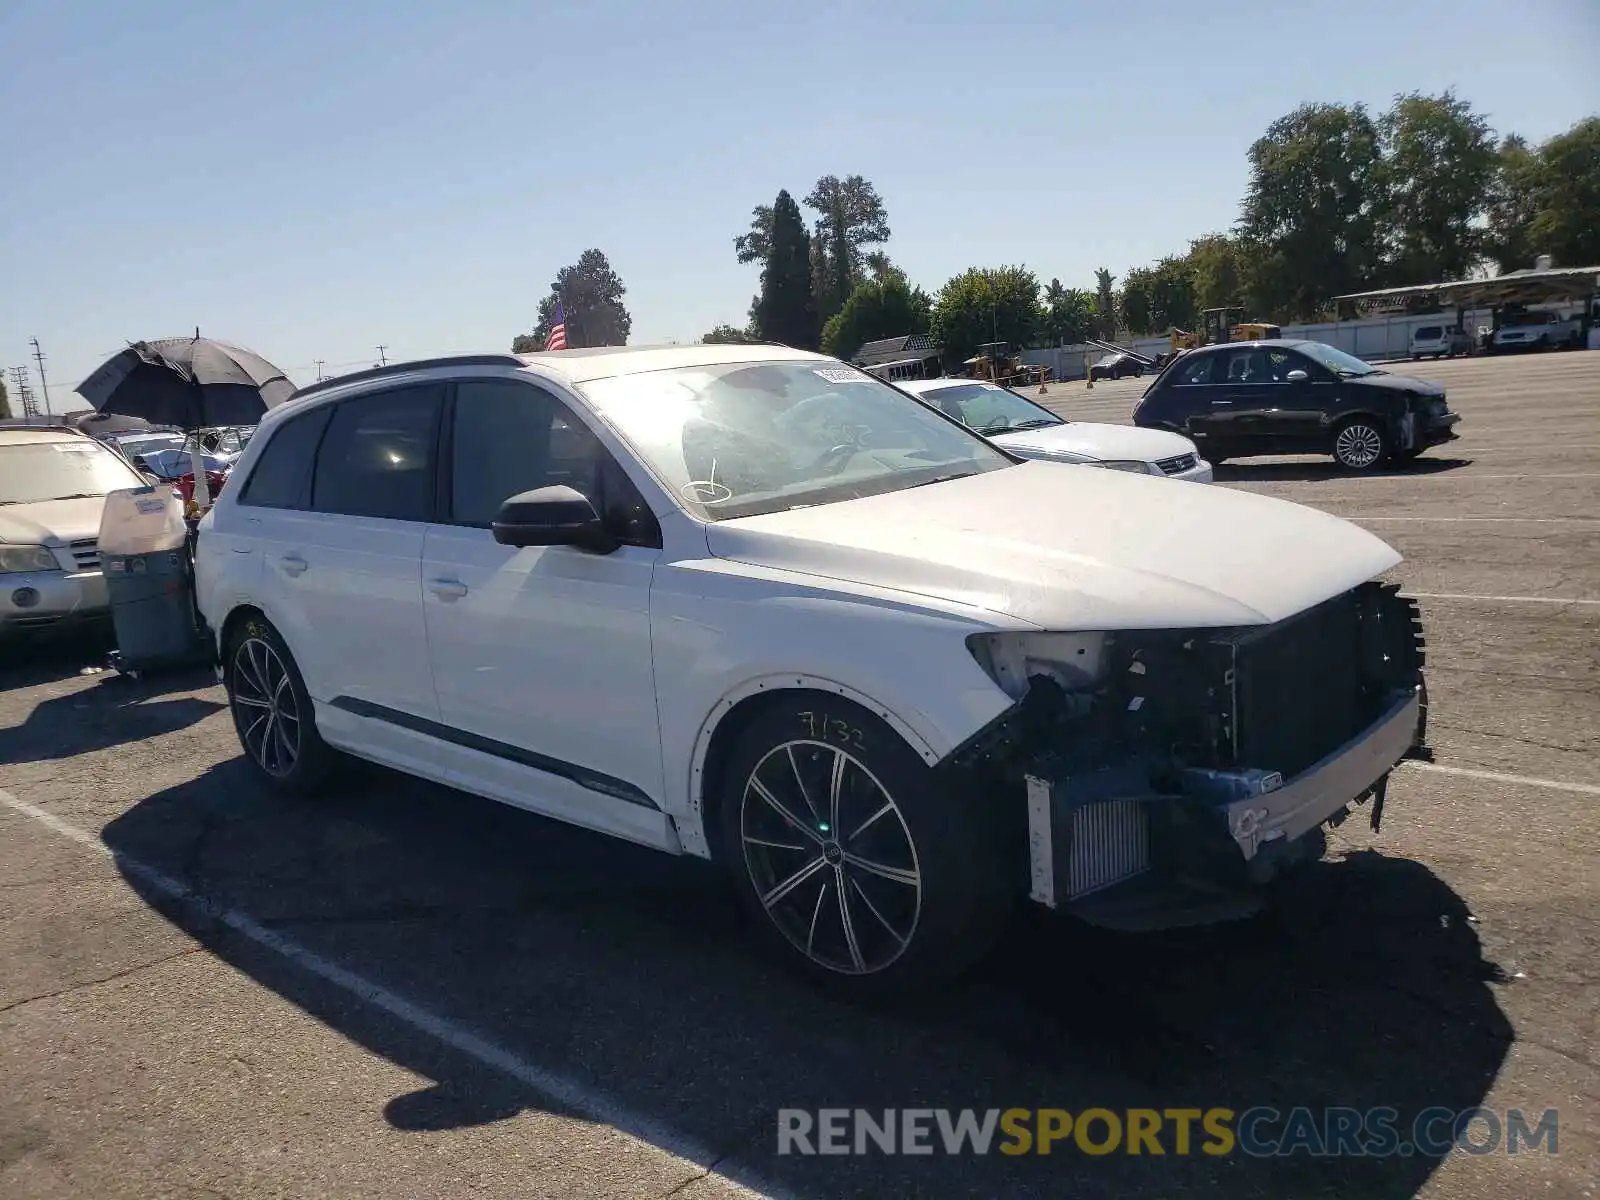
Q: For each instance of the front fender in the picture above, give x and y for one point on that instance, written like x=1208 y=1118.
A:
x=723 y=634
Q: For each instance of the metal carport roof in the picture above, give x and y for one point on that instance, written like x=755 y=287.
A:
x=1527 y=287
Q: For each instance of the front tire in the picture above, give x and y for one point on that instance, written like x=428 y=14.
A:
x=272 y=711
x=864 y=870
x=1359 y=445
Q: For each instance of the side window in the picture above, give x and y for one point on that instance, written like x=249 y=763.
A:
x=282 y=474
x=377 y=458
x=1280 y=363
x=513 y=437
x=1248 y=366
x=1199 y=370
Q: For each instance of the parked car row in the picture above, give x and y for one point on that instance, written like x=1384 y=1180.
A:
x=754 y=605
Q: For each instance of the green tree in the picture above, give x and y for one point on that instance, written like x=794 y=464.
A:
x=1566 y=223
x=1219 y=267
x=1513 y=204
x=591 y=297
x=850 y=217
x=1138 y=290
x=1439 y=162
x=1313 y=205
x=987 y=304
x=1105 y=303
x=756 y=245
x=725 y=335
x=785 y=311
x=5 y=403
x=877 y=309
x=1172 y=295
x=1068 y=315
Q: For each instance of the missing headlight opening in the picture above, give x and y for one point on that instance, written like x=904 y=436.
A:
x=1165 y=775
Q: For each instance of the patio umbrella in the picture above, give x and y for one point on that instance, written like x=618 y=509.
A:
x=193 y=383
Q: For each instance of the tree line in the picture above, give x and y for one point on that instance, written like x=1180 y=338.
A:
x=1339 y=200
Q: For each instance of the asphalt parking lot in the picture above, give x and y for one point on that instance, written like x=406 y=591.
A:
x=400 y=990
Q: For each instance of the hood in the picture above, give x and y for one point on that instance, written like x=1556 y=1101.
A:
x=1084 y=439
x=51 y=522
x=1401 y=383
x=1063 y=548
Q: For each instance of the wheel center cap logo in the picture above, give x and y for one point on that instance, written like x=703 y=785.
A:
x=833 y=854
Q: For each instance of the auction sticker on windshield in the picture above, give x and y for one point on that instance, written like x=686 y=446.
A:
x=842 y=375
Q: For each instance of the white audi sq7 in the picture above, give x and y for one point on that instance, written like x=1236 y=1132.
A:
x=752 y=604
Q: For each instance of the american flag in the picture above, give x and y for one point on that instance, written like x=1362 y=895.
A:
x=558 y=331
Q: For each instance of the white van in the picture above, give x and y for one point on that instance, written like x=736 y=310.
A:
x=1439 y=341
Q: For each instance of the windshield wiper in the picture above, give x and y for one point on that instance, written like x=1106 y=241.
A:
x=943 y=478
x=1037 y=423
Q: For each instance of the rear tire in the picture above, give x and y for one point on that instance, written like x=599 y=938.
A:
x=865 y=871
x=1359 y=445
x=272 y=711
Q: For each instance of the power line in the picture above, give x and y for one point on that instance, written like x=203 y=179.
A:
x=44 y=384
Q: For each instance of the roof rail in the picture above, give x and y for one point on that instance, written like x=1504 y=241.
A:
x=399 y=368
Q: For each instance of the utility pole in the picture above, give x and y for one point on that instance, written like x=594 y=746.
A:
x=382 y=361
x=38 y=357
x=320 y=361
x=24 y=392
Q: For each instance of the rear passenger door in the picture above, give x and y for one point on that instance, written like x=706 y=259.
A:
x=342 y=570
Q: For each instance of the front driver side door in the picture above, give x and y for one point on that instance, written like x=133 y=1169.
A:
x=542 y=655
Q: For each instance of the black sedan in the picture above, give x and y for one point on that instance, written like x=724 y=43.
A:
x=1295 y=397
x=1115 y=366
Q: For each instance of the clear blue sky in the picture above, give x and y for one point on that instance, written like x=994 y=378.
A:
x=311 y=179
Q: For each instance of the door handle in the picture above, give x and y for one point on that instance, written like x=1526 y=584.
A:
x=447 y=589
x=293 y=564
x=1222 y=402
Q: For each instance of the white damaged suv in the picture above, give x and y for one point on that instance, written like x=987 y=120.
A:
x=752 y=604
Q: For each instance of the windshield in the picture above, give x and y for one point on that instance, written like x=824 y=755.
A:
x=740 y=439
x=1337 y=361
x=1529 y=318
x=989 y=408
x=36 y=471
x=149 y=444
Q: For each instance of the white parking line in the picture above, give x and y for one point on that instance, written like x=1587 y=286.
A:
x=567 y=1092
x=1584 y=789
x=1499 y=599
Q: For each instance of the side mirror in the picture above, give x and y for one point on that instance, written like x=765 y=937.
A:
x=140 y=463
x=1297 y=376
x=152 y=479
x=552 y=516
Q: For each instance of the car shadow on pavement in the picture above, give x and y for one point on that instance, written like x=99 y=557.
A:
x=630 y=972
x=1245 y=471
x=115 y=712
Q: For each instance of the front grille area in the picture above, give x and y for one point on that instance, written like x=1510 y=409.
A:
x=1178 y=465
x=85 y=554
x=1305 y=686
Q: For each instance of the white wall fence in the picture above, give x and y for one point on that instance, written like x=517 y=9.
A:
x=1372 y=338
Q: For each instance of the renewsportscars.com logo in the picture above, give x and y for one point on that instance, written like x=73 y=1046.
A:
x=1260 y=1132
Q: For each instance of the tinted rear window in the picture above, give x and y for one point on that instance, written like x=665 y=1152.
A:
x=281 y=475
x=1429 y=333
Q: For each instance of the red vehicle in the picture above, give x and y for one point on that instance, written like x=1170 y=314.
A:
x=185 y=485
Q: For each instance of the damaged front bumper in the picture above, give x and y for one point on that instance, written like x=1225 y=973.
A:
x=1162 y=810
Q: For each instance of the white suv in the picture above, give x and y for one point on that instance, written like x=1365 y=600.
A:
x=753 y=604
